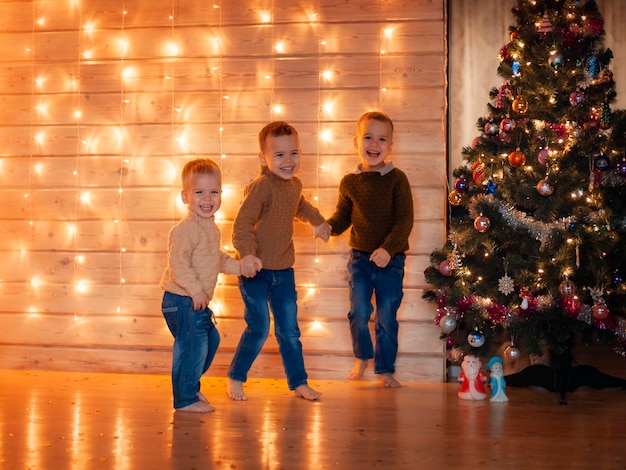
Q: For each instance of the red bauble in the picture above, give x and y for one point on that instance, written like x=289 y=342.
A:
x=544 y=188
x=600 y=311
x=479 y=172
x=517 y=158
x=567 y=289
x=507 y=125
x=482 y=223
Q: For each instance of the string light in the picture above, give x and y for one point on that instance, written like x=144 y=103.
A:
x=111 y=204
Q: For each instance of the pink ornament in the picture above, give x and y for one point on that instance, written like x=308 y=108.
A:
x=542 y=156
x=577 y=97
x=445 y=268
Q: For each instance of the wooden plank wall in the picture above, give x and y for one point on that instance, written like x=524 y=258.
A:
x=103 y=101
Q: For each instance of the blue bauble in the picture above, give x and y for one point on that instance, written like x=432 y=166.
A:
x=476 y=339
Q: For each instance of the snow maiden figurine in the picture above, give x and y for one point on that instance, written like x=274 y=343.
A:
x=496 y=380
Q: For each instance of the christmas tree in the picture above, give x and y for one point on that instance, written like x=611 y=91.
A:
x=536 y=246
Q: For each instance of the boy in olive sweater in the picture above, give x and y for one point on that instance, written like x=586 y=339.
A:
x=375 y=201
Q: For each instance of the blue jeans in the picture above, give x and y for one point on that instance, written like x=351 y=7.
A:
x=195 y=343
x=275 y=289
x=365 y=278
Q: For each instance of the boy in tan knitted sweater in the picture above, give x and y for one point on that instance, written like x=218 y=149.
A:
x=194 y=261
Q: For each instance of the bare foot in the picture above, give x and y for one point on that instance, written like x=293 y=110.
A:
x=197 y=407
x=358 y=370
x=306 y=392
x=202 y=398
x=389 y=381
x=234 y=389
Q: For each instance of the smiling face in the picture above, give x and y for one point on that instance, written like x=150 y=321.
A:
x=281 y=155
x=202 y=194
x=373 y=141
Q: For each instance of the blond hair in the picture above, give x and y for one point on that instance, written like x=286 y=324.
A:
x=200 y=166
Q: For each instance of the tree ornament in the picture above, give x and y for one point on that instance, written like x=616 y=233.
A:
x=479 y=171
x=524 y=295
x=482 y=223
x=613 y=236
x=519 y=105
x=455 y=198
x=512 y=351
x=544 y=188
x=621 y=168
x=600 y=311
x=517 y=158
x=592 y=66
x=476 y=339
x=476 y=141
x=545 y=26
x=491 y=187
x=461 y=184
x=606 y=119
x=515 y=67
x=447 y=323
x=567 y=289
x=556 y=60
x=455 y=259
x=445 y=268
x=507 y=125
x=491 y=128
x=504 y=93
x=542 y=156
x=577 y=97
x=506 y=285
x=601 y=162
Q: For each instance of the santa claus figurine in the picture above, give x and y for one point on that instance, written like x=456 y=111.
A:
x=472 y=379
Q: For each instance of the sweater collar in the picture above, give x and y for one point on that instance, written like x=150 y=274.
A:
x=200 y=220
x=265 y=171
x=383 y=171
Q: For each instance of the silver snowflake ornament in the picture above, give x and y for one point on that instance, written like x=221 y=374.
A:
x=506 y=285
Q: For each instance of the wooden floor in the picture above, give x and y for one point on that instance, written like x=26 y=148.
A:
x=69 y=420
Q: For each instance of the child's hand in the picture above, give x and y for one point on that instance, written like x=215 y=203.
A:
x=323 y=231
x=380 y=257
x=200 y=301
x=250 y=265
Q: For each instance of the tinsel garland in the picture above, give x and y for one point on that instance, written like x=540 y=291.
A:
x=514 y=218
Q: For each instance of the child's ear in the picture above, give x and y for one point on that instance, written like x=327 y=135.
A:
x=355 y=142
x=262 y=159
x=183 y=196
